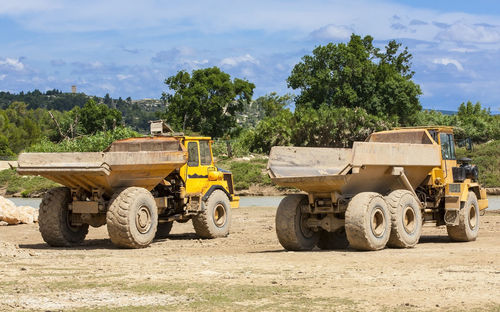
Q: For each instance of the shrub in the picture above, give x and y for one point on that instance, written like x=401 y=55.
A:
x=92 y=143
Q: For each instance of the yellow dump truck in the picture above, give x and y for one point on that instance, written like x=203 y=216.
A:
x=138 y=187
x=377 y=193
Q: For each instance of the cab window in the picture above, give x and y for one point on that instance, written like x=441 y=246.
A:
x=193 y=159
x=447 y=146
x=205 y=157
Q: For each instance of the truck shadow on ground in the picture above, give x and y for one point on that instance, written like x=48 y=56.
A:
x=424 y=239
x=181 y=236
x=89 y=244
x=105 y=243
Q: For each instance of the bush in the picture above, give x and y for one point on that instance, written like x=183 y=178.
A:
x=487 y=158
x=247 y=172
x=92 y=143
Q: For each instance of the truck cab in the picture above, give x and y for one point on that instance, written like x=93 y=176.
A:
x=197 y=191
x=200 y=174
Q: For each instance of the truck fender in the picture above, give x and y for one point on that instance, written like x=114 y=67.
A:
x=212 y=189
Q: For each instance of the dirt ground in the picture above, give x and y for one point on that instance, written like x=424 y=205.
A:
x=248 y=271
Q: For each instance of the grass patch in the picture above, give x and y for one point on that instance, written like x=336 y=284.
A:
x=247 y=172
x=27 y=186
x=217 y=297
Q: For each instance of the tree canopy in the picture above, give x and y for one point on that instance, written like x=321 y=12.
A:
x=357 y=74
x=95 y=117
x=206 y=101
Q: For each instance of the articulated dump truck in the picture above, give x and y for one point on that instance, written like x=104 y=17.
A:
x=377 y=193
x=137 y=187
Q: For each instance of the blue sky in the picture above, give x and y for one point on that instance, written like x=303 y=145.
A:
x=128 y=48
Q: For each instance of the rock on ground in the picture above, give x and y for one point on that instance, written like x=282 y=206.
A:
x=12 y=214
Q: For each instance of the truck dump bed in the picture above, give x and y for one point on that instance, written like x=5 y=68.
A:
x=365 y=167
x=142 y=162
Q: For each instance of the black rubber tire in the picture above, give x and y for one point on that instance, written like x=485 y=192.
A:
x=333 y=240
x=54 y=220
x=406 y=219
x=468 y=226
x=132 y=218
x=163 y=229
x=291 y=232
x=215 y=218
x=364 y=209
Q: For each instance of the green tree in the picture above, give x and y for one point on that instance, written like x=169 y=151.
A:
x=432 y=118
x=271 y=131
x=271 y=104
x=307 y=126
x=207 y=101
x=4 y=147
x=477 y=122
x=357 y=74
x=95 y=117
x=335 y=127
x=107 y=99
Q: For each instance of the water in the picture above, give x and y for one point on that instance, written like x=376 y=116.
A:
x=260 y=201
x=245 y=201
x=33 y=202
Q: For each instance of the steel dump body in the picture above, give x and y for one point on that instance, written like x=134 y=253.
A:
x=142 y=162
x=367 y=167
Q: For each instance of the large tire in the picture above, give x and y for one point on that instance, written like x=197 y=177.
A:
x=290 y=224
x=163 y=229
x=54 y=220
x=406 y=219
x=468 y=221
x=215 y=218
x=132 y=218
x=367 y=222
x=333 y=240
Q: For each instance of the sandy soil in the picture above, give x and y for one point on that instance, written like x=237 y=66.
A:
x=248 y=271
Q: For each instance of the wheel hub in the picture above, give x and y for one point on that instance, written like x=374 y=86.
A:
x=143 y=219
x=378 y=223
x=409 y=220
x=306 y=231
x=472 y=217
x=220 y=215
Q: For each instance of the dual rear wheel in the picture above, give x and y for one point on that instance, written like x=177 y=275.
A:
x=371 y=223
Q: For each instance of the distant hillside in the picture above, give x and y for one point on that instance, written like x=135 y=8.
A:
x=136 y=113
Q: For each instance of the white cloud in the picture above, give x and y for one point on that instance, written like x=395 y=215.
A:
x=96 y=64
x=446 y=61
x=17 y=7
x=463 y=50
x=12 y=63
x=332 y=31
x=302 y=18
x=463 y=32
x=123 y=77
x=233 y=61
x=2 y=77
x=200 y=62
